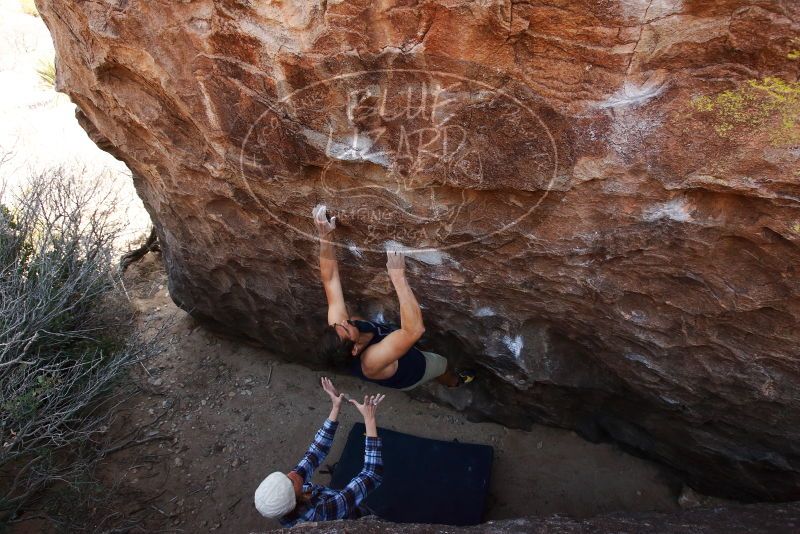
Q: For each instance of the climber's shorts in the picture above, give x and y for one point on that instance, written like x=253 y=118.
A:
x=435 y=366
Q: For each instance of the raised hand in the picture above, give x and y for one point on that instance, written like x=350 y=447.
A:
x=324 y=226
x=330 y=389
x=369 y=406
x=395 y=260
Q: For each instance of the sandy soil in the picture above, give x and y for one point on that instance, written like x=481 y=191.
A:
x=225 y=414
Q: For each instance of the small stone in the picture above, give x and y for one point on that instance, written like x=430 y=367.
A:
x=539 y=445
x=178 y=461
x=235 y=463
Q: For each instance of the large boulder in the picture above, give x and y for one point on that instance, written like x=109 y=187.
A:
x=604 y=197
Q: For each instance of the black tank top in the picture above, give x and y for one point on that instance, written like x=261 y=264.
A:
x=410 y=367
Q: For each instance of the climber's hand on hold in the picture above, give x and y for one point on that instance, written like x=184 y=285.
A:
x=396 y=262
x=324 y=226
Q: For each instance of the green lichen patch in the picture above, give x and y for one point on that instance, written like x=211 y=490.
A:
x=770 y=105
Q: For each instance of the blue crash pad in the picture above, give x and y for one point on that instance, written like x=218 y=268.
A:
x=425 y=480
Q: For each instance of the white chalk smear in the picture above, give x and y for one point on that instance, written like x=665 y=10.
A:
x=653 y=9
x=631 y=94
x=429 y=256
x=484 y=311
x=355 y=149
x=353 y=248
x=675 y=210
x=514 y=344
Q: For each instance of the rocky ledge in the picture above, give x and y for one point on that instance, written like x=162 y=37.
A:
x=751 y=519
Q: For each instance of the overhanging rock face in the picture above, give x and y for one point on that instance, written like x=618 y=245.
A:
x=604 y=196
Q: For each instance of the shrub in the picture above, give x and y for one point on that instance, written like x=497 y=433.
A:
x=29 y=7
x=47 y=72
x=65 y=336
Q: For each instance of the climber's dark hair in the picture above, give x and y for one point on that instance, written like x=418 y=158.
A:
x=336 y=352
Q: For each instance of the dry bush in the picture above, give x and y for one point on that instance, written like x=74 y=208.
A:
x=29 y=7
x=46 y=69
x=66 y=337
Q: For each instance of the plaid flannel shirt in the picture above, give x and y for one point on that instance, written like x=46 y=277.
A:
x=327 y=504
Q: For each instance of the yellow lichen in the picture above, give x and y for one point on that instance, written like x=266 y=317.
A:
x=769 y=104
x=794 y=54
x=796 y=228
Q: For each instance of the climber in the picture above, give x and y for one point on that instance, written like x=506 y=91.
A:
x=292 y=498
x=375 y=351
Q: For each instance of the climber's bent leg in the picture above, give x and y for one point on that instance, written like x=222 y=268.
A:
x=435 y=367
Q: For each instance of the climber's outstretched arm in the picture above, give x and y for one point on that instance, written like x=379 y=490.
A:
x=328 y=267
x=398 y=343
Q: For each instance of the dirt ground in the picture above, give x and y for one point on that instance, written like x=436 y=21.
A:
x=224 y=414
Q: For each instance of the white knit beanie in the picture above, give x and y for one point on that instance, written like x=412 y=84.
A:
x=275 y=496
